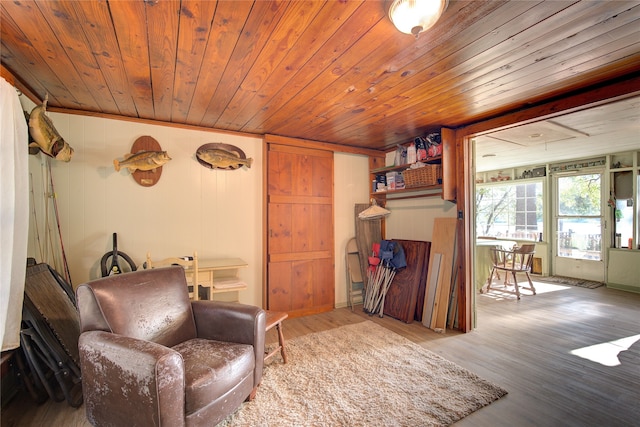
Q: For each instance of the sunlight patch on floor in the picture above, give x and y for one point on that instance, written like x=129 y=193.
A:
x=606 y=353
x=542 y=287
x=497 y=290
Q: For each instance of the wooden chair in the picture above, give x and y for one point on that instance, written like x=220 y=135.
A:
x=355 y=284
x=190 y=266
x=517 y=260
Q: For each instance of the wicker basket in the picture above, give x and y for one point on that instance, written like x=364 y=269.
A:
x=427 y=175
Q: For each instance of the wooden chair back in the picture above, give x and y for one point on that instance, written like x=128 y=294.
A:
x=519 y=259
x=523 y=257
x=516 y=260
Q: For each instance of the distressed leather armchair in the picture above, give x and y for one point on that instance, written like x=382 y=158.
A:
x=149 y=356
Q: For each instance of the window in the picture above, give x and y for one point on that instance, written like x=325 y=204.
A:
x=580 y=216
x=623 y=212
x=624 y=221
x=512 y=210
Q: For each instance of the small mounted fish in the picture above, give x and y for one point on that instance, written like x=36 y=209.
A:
x=143 y=161
x=222 y=156
x=45 y=135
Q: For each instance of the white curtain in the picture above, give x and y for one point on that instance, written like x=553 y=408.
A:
x=14 y=213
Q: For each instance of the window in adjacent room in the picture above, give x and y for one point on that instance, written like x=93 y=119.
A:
x=580 y=216
x=510 y=210
x=623 y=213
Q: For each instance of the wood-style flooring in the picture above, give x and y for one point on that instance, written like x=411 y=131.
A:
x=568 y=356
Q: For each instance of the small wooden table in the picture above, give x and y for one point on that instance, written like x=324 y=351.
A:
x=216 y=275
x=482 y=262
x=275 y=318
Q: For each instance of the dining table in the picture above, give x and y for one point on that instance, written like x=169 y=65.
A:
x=483 y=262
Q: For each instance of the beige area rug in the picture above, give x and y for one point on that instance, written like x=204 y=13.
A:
x=363 y=375
x=570 y=281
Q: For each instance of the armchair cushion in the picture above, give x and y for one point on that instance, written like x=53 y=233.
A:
x=209 y=377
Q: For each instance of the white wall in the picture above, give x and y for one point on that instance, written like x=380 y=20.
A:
x=412 y=219
x=351 y=184
x=217 y=213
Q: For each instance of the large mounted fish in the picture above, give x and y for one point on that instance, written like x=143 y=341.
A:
x=142 y=160
x=45 y=135
x=222 y=156
x=145 y=161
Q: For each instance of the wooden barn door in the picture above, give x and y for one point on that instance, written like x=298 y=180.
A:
x=300 y=259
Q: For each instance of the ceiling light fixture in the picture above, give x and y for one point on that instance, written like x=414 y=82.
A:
x=416 y=16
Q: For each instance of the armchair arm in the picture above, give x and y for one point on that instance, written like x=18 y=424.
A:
x=127 y=381
x=232 y=322
x=227 y=321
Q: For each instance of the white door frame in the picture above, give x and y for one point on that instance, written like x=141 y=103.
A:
x=575 y=267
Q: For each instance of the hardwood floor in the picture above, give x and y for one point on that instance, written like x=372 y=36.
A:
x=525 y=346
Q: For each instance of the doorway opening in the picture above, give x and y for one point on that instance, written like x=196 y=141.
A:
x=578 y=226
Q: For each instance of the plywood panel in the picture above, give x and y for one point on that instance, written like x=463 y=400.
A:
x=443 y=243
x=431 y=286
x=402 y=297
x=422 y=288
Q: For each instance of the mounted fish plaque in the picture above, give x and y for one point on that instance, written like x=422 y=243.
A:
x=46 y=137
x=222 y=156
x=144 y=162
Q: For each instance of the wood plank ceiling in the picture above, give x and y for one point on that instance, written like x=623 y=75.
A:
x=334 y=71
